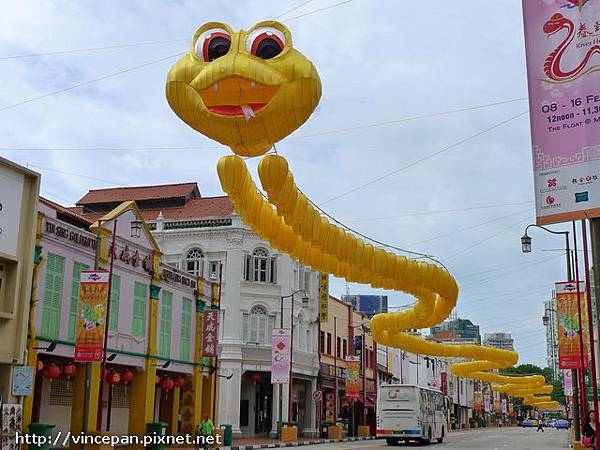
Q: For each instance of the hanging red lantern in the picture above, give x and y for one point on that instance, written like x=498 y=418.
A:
x=69 y=370
x=113 y=377
x=179 y=381
x=39 y=366
x=167 y=383
x=256 y=377
x=126 y=376
x=52 y=371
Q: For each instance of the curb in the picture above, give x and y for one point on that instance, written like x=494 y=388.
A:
x=299 y=444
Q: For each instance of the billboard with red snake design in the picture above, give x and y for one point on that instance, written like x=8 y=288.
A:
x=562 y=40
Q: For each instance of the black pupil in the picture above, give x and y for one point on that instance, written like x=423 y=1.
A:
x=268 y=48
x=217 y=47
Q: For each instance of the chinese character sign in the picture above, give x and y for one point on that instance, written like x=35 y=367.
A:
x=91 y=315
x=444 y=383
x=567 y=382
x=487 y=404
x=280 y=356
x=324 y=298
x=504 y=406
x=352 y=377
x=562 y=39
x=567 y=316
x=210 y=327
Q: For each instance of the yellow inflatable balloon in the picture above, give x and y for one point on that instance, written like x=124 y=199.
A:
x=250 y=89
x=244 y=89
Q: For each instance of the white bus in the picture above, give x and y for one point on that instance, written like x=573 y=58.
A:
x=411 y=413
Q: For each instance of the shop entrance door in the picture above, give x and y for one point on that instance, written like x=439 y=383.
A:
x=263 y=418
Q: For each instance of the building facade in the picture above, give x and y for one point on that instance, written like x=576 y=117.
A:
x=368 y=304
x=204 y=237
x=551 y=324
x=155 y=370
x=19 y=189
x=503 y=341
x=462 y=328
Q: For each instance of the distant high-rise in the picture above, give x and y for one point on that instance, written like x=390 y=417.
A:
x=503 y=341
x=549 y=320
x=368 y=304
x=462 y=328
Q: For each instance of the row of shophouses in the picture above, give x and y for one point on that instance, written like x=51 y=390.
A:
x=190 y=256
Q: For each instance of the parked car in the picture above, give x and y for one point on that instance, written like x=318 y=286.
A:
x=526 y=423
x=562 y=424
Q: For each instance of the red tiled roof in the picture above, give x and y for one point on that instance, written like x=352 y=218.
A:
x=194 y=208
x=444 y=335
x=71 y=212
x=122 y=194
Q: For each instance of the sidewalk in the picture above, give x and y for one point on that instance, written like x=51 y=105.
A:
x=251 y=444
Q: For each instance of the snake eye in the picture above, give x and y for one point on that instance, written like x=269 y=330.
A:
x=212 y=44
x=265 y=42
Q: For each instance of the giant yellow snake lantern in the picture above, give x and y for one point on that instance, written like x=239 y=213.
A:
x=250 y=89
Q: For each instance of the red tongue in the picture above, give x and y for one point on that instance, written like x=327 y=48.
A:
x=233 y=110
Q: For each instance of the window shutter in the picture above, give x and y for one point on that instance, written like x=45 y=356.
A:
x=307 y=281
x=245 y=328
x=53 y=295
x=165 y=323
x=186 y=328
x=77 y=268
x=115 y=293
x=253 y=328
x=273 y=278
x=140 y=299
x=262 y=329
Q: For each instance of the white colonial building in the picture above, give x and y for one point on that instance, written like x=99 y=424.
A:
x=205 y=237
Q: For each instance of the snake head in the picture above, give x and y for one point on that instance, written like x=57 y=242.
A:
x=244 y=89
x=555 y=23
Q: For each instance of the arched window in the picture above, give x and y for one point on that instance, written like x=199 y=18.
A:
x=194 y=262
x=259 y=266
x=257 y=326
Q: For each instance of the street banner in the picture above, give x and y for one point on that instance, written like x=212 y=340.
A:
x=487 y=403
x=324 y=298
x=562 y=38
x=567 y=382
x=511 y=409
x=477 y=401
x=210 y=332
x=352 y=377
x=280 y=356
x=504 y=406
x=91 y=315
x=444 y=383
x=569 y=354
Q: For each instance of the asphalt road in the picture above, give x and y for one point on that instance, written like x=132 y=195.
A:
x=485 y=439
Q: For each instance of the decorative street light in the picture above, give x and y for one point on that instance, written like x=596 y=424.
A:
x=136 y=228
x=526 y=244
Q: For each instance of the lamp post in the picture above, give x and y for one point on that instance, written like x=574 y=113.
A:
x=291 y=359
x=526 y=248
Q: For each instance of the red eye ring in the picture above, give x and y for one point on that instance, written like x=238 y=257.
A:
x=208 y=40
x=212 y=44
x=263 y=36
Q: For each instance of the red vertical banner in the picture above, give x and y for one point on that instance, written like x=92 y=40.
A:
x=444 y=383
x=91 y=315
x=352 y=377
x=567 y=316
x=280 y=355
x=210 y=330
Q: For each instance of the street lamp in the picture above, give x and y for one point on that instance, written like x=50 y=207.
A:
x=304 y=299
x=526 y=248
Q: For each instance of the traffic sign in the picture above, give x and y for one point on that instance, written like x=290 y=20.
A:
x=318 y=396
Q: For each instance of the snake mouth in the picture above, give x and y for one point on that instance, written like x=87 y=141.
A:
x=235 y=96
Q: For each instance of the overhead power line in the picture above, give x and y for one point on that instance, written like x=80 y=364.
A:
x=293 y=9
x=88 y=82
x=425 y=158
x=443 y=211
x=91 y=49
x=335 y=5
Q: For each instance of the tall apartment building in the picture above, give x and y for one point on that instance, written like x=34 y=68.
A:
x=503 y=341
x=550 y=323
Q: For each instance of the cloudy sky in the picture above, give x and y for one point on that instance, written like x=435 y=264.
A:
x=380 y=63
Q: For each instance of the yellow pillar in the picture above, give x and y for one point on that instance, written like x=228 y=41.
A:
x=174 y=419
x=191 y=406
x=143 y=386
x=31 y=340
